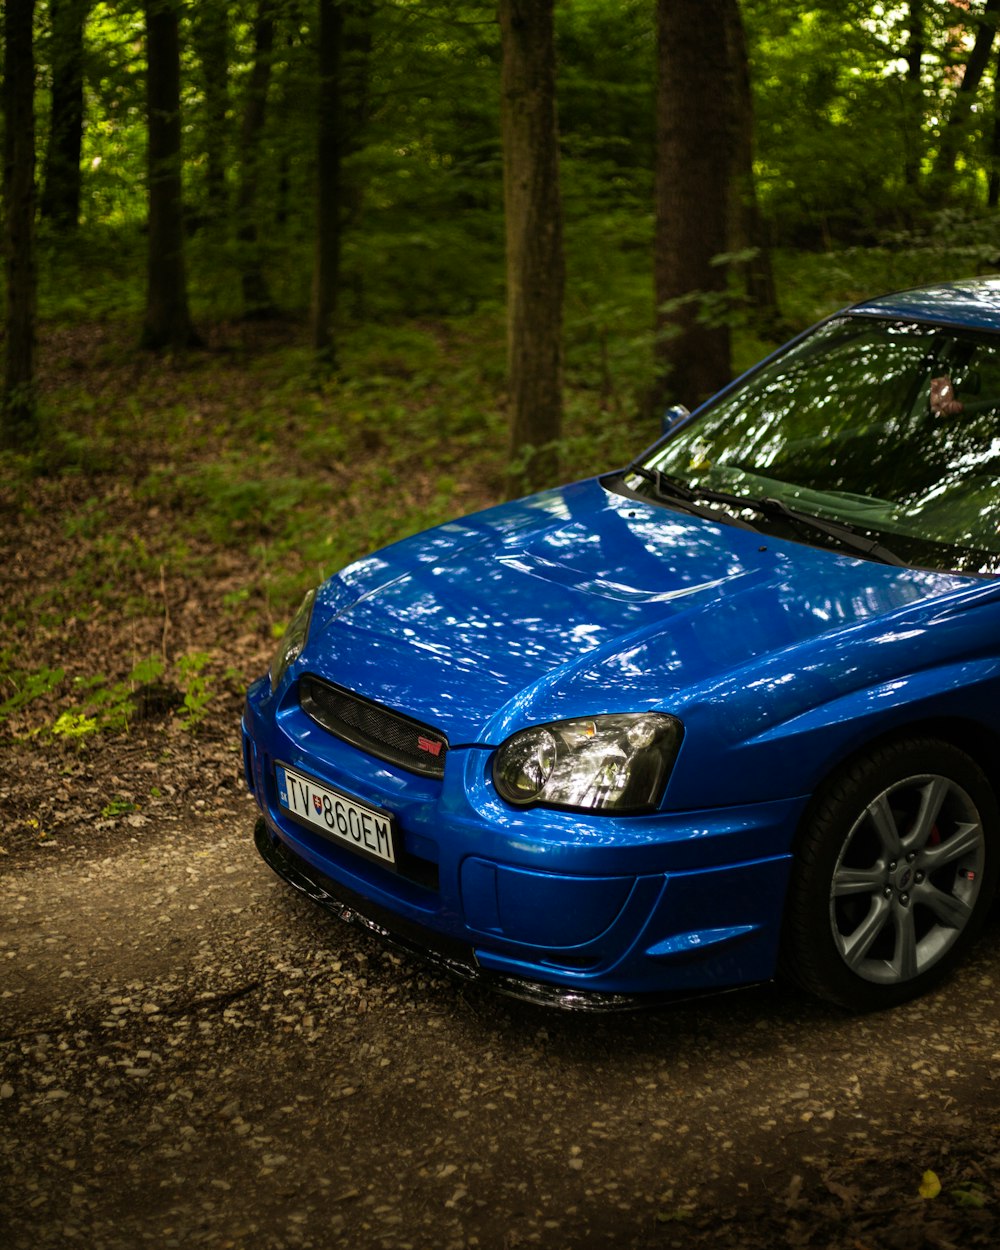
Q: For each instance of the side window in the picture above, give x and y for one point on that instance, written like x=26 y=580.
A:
x=978 y=386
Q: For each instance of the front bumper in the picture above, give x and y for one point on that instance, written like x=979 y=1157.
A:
x=549 y=906
x=451 y=959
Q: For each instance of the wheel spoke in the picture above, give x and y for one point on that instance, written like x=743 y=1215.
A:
x=904 y=957
x=857 y=881
x=966 y=840
x=855 y=946
x=951 y=911
x=899 y=852
x=932 y=796
x=885 y=826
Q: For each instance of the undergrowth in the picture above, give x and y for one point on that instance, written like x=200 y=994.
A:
x=78 y=707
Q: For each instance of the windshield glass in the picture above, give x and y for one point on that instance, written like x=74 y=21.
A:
x=892 y=428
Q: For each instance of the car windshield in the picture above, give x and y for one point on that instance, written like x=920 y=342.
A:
x=890 y=428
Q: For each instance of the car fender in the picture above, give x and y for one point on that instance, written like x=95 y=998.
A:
x=792 y=757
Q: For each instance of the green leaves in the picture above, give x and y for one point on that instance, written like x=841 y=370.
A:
x=972 y=1195
x=197 y=685
x=26 y=687
x=99 y=705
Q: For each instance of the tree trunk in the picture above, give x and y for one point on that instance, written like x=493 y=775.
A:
x=954 y=131
x=356 y=103
x=533 y=218
x=168 y=323
x=257 y=301
x=993 y=192
x=19 y=427
x=749 y=229
x=210 y=28
x=284 y=110
x=326 y=269
x=696 y=133
x=914 y=95
x=60 y=202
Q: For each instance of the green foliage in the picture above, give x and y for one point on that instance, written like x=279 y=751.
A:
x=424 y=227
x=106 y=706
x=98 y=275
x=118 y=807
x=24 y=687
x=845 y=141
x=74 y=725
x=114 y=149
x=103 y=706
x=197 y=685
x=224 y=502
x=840 y=135
x=607 y=75
x=972 y=1195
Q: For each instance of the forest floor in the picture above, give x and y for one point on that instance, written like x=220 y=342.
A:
x=190 y=1055
x=153 y=548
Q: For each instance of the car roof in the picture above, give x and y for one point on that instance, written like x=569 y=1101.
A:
x=972 y=302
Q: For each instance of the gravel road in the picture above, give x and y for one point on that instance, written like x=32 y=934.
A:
x=192 y=1055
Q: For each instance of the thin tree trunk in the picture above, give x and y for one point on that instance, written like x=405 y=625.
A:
x=19 y=427
x=954 y=132
x=60 y=201
x=326 y=269
x=283 y=110
x=914 y=95
x=750 y=230
x=257 y=301
x=168 y=322
x=356 y=105
x=696 y=132
x=533 y=218
x=210 y=28
x=993 y=193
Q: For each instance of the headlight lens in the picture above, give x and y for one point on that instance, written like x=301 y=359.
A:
x=615 y=763
x=292 y=640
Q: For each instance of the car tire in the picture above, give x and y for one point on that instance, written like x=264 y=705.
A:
x=894 y=871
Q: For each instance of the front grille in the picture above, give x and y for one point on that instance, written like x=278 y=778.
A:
x=373 y=728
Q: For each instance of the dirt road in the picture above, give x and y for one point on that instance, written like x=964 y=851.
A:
x=193 y=1056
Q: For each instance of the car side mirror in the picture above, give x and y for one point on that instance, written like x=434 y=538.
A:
x=673 y=416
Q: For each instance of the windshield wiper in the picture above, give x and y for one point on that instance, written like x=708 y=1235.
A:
x=690 y=499
x=845 y=534
x=768 y=506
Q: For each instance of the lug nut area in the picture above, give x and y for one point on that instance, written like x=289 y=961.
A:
x=900 y=878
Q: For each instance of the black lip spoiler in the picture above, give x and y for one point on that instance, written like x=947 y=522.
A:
x=459 y=961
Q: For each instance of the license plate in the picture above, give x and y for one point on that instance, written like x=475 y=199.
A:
x=339 y=818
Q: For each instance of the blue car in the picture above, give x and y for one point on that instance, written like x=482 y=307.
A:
x=730 y=711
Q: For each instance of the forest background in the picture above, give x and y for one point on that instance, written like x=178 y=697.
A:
x=314 y=355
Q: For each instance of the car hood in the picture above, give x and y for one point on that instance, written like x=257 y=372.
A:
x=582 y=600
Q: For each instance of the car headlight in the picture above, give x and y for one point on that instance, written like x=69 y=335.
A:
x=292 y=640
x=614 y=764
